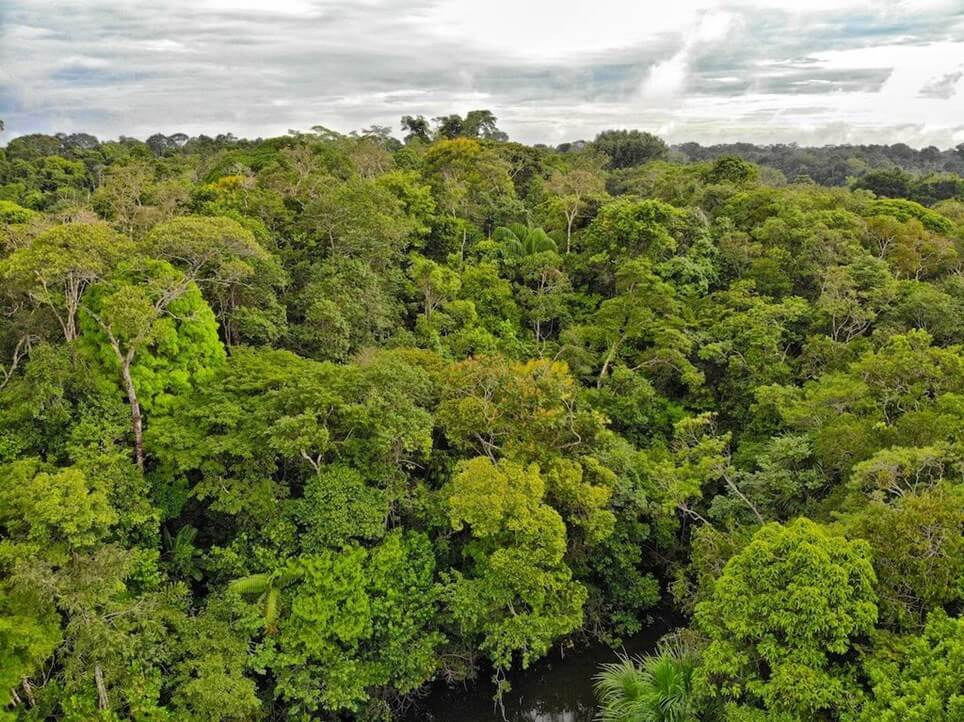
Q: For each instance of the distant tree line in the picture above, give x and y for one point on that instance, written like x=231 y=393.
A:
x=927 y=175
x=833 y=165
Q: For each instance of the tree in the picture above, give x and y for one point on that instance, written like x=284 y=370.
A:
x=293 y=418
x=160 y=144
x=731 y=169
x=416 y=127
x=482 y=124
x=469 y=182
x=357 y=218
x=853 y=296
x=517 y=595
x=888 y=183
x=520 y=241
x=628 y=228
x=344 y=306
x=640 y=328
x=56 y=268
x=628 y=148
x=221 y=257
x=492 y=296
x=132 y=198
x=449 y=127
x=918 y=552
x=358 y=621
x=572 y=191
x=149 y=305
x=782 y=618
x=476 y=124
x=525 y=411
x=545 y=288
x=339 y=506
x=746 y=341
x=697 y=456
x=435 y=283
x=208 y=680
x=29 y=634
x=917 y=253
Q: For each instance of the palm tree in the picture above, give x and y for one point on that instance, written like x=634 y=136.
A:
x=654 y=688
x=183 y=555
x=520 y=240
x=267 y=589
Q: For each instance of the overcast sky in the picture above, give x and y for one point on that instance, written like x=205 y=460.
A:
x=810 y=71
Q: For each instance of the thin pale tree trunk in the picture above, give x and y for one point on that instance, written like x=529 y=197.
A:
x=137 y=420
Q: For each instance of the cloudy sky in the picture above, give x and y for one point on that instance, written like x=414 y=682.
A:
x=810 y=71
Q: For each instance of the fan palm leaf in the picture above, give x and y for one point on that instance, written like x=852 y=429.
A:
x=519 y=240
x=655 y=688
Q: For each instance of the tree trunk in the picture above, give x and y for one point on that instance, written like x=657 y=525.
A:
x=136 y=417
x=605 y=367
x=103 y=702
x=570 y=220
x=28 y=691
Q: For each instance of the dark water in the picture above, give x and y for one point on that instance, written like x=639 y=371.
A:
x=556 y=689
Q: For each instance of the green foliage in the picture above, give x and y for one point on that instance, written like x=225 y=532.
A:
x=655 y=688
x=631 y=228
x=793 y=602
x=903 y=210
x=57 y=509
x=525 y=411
x=10 y=212
x=156 y=315
x=55 y=268
x=29 y=634
x=627 y=148
x=359 y=620
x=919 y=678
x=401 y=413
x=232 y=269
x=518 y=596
x=344 y=307
x=918 y=551
x=731 y=169
x=209 y=680
x=520 y=241
x=357 y=218
x=339 y=506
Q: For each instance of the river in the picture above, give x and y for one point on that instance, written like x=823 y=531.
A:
x=555 y=689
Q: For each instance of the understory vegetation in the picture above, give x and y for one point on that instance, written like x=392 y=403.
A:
x=291 y=429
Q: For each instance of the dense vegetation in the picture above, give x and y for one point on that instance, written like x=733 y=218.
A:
x=291 y=428
x=838 y=164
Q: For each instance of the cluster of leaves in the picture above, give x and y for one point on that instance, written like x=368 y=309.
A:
x=291 y=428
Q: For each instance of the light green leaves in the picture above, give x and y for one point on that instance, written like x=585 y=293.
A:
x=792 y=601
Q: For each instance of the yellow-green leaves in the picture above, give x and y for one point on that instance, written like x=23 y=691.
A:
x=518 y=594
x=919 y=679
x=781 y=617
x=505 y=500
x=52 y=509
x=354 y=621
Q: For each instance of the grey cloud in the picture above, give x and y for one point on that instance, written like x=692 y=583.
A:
x=822 y=81
x=135 y=68
x=943 y=87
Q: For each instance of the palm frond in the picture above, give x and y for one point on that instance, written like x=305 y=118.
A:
x=654 y=688
x=251 y=585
